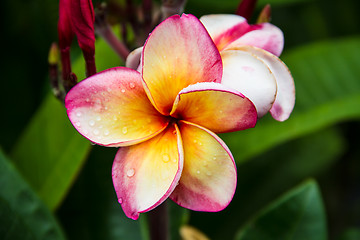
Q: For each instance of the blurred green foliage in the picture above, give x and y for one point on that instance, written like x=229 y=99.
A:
x=320 y=140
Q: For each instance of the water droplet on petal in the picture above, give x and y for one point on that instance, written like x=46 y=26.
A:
x=115 y=118
x=130 y=172
x=96 y=132
x=106 y=108
x=174 y=160
x=98 y=118
x=195 y=141
x=106 y=132
x=198 y=172
x=120 y=200
x=87 y=100
x=166 y=158
x=214 y=158
x=124 y=130
x=200 y=143
x=123 y=90
x=92 y=123
x=78 y=124
x=78 y=114
x=132 y=85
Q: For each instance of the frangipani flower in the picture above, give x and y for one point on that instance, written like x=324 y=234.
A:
x=243 y=49
x=165 y=119
x=249 y=53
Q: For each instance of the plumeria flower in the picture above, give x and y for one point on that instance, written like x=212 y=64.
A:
x=248 y=52
x=244 y=49
x=164 y=120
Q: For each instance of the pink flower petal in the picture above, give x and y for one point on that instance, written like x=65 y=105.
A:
x=208 y=180
x=215 y=107
x=144 y=175
x=285 y=97
x=249 y=75
x=225 y=28
x=133 y=60
x=179 y=52
x=111 y=108
x=267 y=37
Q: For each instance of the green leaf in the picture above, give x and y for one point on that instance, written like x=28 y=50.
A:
x=99 y=213
x=328 y=92
x=351 y=234
x=50 y=152
x=269 y=175
x=22 y=214
x=297 y=215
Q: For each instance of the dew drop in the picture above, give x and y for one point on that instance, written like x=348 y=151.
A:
x=115 y=118
x=87 y=100
x=106 y=108
x=92 y=123
x=130 y=172
x=78 y=114
x=195 y=141
x=106 y=132
x=200 y=143
x=108 y=89
x=174 y=160
x=198 y=172
x=132 y=85
x=120 y=200
x=166 y=158
x=214 y=158
x=98 y=118
x=96 y=132
x=78 y=124
x=123 y=90
x=124 y=130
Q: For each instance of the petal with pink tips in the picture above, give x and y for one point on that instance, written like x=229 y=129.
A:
x=208 y=180
x=267 y=37
x=179 y=52
x=111 y=108
x=249 y=75
x=144 y=175
x=215 y=107
x=226 y=28
x=285 y=97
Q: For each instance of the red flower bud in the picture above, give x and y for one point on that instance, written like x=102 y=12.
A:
x=246 y=8
x=83 y=18
x=82 y=15
x=65 y=31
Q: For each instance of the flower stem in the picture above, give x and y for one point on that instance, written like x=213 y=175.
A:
x=158 y=220
x=104 y=30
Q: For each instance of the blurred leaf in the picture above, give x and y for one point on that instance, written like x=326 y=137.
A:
x=299 y=214
x=351 y=234
x=91 y=210
x=328 y=92
x=179 y=216
x=50 y=152
x=22 y=214
x=270 y=174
